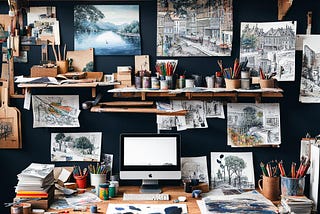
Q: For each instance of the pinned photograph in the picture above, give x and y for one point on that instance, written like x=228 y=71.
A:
x=76 y=146
x=269 y=46
x=232 y=170
x=251 y=125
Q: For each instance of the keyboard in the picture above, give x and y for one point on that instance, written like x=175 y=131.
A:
x=145 y=197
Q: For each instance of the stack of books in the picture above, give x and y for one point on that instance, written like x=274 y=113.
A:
x=36 y=183
x=297 y=204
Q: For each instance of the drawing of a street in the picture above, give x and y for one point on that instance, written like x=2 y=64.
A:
x=194 y=28
x=269 y=46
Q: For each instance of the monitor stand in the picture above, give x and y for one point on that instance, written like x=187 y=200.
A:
x=150 y=186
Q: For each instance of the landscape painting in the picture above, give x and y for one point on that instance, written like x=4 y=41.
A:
x=252 y=125
x=194 y=28
x=310 y=74
x=269 y=46
x=232 y=170
x=109 y=29
x=76 y=146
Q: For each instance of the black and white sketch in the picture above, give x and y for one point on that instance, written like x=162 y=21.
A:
x=232 y=170
x=310 y=74
x=214 y=109
x=76 y=146
x=55 y=110
x=194 y=28
x=269 y=46
x=252 y=125
x=166 y=122
x=195 y=168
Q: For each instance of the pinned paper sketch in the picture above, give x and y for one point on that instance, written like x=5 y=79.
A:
x=147 y=208
x=195 y=168
x=194 y=28
x=214 y=109
x=76 y=146
x=55 y=111
x=310 y=74
x=252 y=125
x=232 y=170
x=269 y=46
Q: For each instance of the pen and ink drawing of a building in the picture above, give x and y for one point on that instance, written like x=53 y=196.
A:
x=310 y=74
x=269 y=46
x=194 y=28
x=6 y=130
x=252 y=125
x=232 y=170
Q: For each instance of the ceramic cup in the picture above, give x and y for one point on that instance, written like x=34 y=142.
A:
x=270 y=187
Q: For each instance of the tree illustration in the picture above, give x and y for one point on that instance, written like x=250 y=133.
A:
x=59 y=139
x=234 y=165
x=84 y=143
x=85 y=16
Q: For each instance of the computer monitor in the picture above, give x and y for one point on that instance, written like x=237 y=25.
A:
x=150 y=157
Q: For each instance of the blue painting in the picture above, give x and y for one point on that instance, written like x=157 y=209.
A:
x=109 y=29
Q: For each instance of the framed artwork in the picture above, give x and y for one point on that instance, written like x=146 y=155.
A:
x=232 y=170
x=76 y=146
x=251 y=125
x=195 y=168
x=194 y=28
x=109 y=29
x=269 y=46
x=310 y=74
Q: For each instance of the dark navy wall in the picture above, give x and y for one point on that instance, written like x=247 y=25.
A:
x=296 y=119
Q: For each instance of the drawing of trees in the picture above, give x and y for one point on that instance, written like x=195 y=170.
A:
x=234 y=165
x=59 y=139
x=84 y=143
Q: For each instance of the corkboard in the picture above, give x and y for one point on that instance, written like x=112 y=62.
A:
x=82 y=59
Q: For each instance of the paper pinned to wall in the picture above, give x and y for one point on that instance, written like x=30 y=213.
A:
x=195 y=168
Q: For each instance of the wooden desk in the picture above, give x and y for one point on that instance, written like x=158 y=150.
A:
x=174 y=193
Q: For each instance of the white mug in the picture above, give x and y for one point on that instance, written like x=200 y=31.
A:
x=189 y=83
x=210 y=81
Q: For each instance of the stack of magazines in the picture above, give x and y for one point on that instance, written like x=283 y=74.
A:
x=36 y=181
x=297 y=204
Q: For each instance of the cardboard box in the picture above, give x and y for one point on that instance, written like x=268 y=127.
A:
x=40 y=71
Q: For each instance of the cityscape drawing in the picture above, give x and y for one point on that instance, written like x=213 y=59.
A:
x=252 y=125
x=194 y=28
x=310 y=74
x=269 y=46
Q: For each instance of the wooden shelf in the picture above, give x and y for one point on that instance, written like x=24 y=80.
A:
x=199 y=93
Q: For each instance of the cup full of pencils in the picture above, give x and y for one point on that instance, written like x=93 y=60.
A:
x=269 y=185
x=98 y=175
x=294 y=183
x=80 y=176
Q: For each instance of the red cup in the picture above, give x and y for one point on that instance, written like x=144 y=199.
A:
x=81 y=181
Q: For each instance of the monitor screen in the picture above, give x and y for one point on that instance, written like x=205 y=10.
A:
x=149 y=156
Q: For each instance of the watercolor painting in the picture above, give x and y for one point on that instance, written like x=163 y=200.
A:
x=310 y=74
x=147 y=208
x=269 y=46
x=251 y=125
x=109 y=29
x=194 y=28
x=76 y=146
x=55 y=110
x=232 y=170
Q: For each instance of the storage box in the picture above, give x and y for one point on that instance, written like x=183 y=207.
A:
x=40 y=71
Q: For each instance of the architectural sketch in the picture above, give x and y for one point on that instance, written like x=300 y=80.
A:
x=55 y=111
x=195 y=168
x=214 y=109
x=269 y=46
x=252 y=125
x=6 y=129
x=194 y=28
x=109 y=29
x=76 y=146
x=310 y=74
x=232 y=170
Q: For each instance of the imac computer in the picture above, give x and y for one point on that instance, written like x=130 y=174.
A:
x=150 y=157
